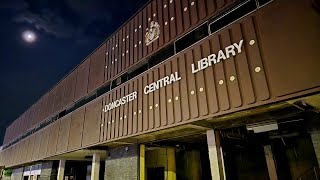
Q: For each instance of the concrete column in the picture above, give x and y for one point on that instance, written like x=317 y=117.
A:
x=95 y=166
x=270 y=162
x=142 y=162
x=215 y=155
x=171 y=161
x=62 y=164
x=315 y=137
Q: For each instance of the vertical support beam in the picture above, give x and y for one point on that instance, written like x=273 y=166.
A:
x=315 y=137
x=171 y=170
x=215 y=155
x=62 y=164
x=270 y=162
x=95 y=166
x=142 y=161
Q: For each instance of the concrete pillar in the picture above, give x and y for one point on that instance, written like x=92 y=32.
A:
x=215 y=155
x=270 y=162
x=315 y=137
x=62 y=164
x=171 y=160
x=95 y=166
x=142 y=162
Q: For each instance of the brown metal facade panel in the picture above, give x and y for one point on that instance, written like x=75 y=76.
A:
x=178 y=16
x=125 y=112
x=145 y=25
x=110 y=97
x=63 y=136
x=169 y=95
x=156 y=100
x=176 y=93
x=154 y=18
x=76 y=129
x=173 y=21
x=82 y=80
x=117 y=118
x=242 y=65
x=145 y=104
x=135 y=38
x=222 y=92
x=129 y=110
x=201 y=6
x=106 y=118
x=113 y=114
x=140 y=36
x=120 y=51
x=210 y=81
x=29 y=151
x=160 y=21
x=280 y=44
x=57 y=99
x=36 y=147
x=139 y=112
x=92 y=123
x=186 y=14
x=116 y=54
x=123 y=51
x=96 y=70
x=131 y=45
x=166 y=20
x=135 y=108
x=151 y=102
x=200 y=85
x=121 y=114
x=107 y=61
x=163 y=98
x=149 y=17
x=43 y=143
x=69 y=89
x=53 y=138
x=127 y=40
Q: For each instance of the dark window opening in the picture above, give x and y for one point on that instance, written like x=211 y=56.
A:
x=162 y=55
x=239 y=11
x=61 y=114
x=102 y=90
x=90 y=97
x=192 y=37
x=140 y=68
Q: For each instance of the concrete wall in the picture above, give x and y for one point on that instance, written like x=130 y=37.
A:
x=17 y=174
x=122 y=163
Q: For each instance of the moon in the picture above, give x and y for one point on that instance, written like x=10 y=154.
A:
x=29 y=36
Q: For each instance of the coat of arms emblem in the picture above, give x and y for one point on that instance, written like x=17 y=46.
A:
x=153 y=33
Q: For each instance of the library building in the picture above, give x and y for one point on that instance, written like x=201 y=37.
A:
x=184 y=90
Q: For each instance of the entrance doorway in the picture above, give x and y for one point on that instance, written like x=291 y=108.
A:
x=284 y=153
x=184 y=158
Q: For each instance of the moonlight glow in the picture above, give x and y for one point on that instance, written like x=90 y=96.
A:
x=29 y=36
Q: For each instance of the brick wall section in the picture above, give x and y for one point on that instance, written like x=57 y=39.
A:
x=315 y=136
x=122 y=163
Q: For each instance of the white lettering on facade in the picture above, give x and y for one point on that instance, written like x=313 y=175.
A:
x=161 y=83
x=119 y=102
x=223 y=54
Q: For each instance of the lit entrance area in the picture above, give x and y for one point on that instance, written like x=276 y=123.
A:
x=281 y=149
x=183 y=158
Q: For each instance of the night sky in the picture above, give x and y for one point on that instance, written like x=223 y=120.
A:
x=67 y=31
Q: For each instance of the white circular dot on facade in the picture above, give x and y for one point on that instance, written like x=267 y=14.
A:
x=185 y=9
x=257 y=69
x=169 y=101
x=192 y=3
x=192 y=92
x=201 y=89
x=251 y=42
x=172 y=18
x=165 y=6
x=177 y=98
x=221 y=82
x=232 y=78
